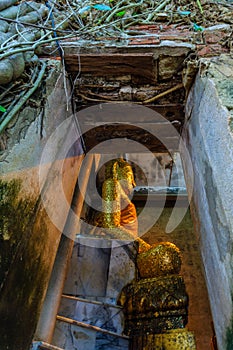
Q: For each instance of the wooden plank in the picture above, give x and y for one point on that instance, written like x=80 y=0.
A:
x=112 y=64
x=112 y=138
x=111 y=148
x=129 y=112
x=171 y=112
x=114 y=147
x=125 y=129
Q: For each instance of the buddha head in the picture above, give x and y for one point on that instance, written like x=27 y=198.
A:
x=121 y=170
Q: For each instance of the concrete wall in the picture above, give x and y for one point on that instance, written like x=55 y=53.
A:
x=29 y=237
x=209 y=137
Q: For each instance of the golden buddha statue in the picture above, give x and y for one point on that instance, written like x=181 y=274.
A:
x=118 y=218
x=155 y=301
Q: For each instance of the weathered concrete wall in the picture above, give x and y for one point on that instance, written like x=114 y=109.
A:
x=209 y=137
x=29 y=239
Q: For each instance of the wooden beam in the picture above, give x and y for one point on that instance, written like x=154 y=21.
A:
x=170 y=112
x=125 y=129
x=103 y=122
x=130 y=113
x=111 y=148
x=112 y=138
x=103 y=64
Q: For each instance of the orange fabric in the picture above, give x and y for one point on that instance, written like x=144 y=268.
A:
x=129 y=219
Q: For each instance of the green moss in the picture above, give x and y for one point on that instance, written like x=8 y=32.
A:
x=14 y=222
x=24 y=266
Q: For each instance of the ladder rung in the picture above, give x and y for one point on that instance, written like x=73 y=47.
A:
x=89 y=326
x=73 y=297
x=40 y=345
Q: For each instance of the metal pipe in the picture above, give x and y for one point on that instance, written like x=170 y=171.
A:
x=47 y=321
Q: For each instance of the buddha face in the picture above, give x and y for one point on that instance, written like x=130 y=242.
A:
x=126 y=178
x=121 y=171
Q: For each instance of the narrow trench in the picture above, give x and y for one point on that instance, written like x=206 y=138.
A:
x=98 y=270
